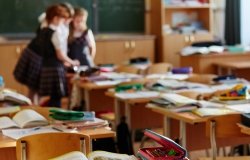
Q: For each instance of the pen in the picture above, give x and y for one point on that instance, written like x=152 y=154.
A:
x=60 y=130
x=36 y=128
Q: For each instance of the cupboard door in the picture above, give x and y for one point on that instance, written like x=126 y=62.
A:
x=142 y=48
x=201 y=37
x=9 y=55
x=172 y=44
x=115 y=52
x=100 y=53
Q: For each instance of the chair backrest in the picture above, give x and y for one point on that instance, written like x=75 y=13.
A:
x=128 y=69
x=159 y=68
x=224 y=126
x=48 y=145
x=201 y=78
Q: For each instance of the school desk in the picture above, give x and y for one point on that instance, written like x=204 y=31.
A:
x=244 y=129
x=100 y=101
x=94 y=95
x=191 y=129
x=205 y=63
x=231 y=66
x=7 y=145
x=137 y=116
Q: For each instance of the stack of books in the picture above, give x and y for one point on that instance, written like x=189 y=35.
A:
x=67 y=120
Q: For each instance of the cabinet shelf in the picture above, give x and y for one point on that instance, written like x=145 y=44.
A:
x=165 y=16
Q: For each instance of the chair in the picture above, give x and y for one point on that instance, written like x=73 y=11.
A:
x=128 y=69
x=159 y=68
x=201 y=78
x=225 y=127
x=48 y=145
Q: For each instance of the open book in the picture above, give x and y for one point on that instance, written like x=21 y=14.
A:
x=212 y=111
x=178 y=100
x=9 y=109
x=8 y=95
x=23 y=119
x=103 y=155
x=75 y=155
x=175 y=102
x=96 y=155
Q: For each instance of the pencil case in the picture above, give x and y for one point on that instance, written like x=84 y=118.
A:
x=126 y=87
x=170 y=150
x=182 y=70
x=60 y=114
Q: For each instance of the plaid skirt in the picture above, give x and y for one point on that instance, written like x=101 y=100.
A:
x=53 y=81
x=28 y=68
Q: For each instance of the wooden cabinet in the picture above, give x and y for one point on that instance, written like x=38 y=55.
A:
x=172 y=44
x=9 y=55
x=170 y=41
x=120 y=50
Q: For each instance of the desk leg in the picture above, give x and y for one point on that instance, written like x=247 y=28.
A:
x=86 y=98
x=117 y=112
x=128 y=120
x=91 y=145
x=219 y=70
x=229 y=71
x=128 y=115
x=183 y=134
x=166 y=126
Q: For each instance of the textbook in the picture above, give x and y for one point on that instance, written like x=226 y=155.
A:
x=212 y=111
x=178 y=100
x=103 y=155
x=74 y=155
x=96 y=155
x=23 y=119
x=8 y=95
x=175 y=102
x=9 y=109
x=167 y=105
x=73 y=126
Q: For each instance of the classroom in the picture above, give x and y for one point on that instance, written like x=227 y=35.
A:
x=124 y=80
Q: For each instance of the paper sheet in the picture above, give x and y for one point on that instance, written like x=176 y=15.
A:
x=140 y=94
x=19 y=133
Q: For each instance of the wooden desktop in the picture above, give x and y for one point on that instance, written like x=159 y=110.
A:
x=8 y=145
x=207 y=63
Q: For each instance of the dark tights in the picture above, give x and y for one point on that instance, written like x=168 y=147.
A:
x=55 y=101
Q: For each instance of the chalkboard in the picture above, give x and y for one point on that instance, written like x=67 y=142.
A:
x=121 y=15
x=21 y=16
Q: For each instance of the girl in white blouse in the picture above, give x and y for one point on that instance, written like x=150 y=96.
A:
x=81 y=39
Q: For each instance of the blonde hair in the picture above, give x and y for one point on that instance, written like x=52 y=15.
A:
x=78 y=12
x=69 y=8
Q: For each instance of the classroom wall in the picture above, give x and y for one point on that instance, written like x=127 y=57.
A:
x=245 y=22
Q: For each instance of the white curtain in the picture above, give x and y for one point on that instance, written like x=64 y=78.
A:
x=245 y=22
x=219 y=19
